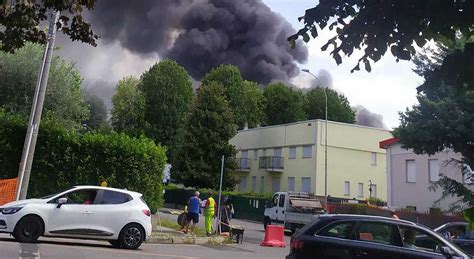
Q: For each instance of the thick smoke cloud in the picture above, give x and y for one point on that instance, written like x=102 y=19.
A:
x=367 y=118
x=202 y=34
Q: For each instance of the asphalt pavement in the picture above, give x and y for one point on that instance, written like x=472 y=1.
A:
x=70 y=248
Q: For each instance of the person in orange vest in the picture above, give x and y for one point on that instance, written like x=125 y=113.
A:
x=209 y=213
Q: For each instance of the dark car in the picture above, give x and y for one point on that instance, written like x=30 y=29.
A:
x=355 y=236
x=460 y=234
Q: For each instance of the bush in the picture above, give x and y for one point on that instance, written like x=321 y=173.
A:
x=66 y=158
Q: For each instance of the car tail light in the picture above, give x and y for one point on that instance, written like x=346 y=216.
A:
x=147 y=212
x=296 y=244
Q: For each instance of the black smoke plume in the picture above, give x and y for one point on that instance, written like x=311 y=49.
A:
x=202 y=34
x=367 y=118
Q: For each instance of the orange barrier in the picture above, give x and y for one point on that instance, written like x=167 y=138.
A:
x=8 y=190
x=274 y=236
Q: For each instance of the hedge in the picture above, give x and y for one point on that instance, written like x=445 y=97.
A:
x=67 y=157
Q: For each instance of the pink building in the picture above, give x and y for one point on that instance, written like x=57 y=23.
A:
x=409 y=176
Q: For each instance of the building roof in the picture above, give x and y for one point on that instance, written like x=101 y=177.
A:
x=388 y=142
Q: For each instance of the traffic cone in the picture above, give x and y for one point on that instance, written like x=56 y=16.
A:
x=274 y=236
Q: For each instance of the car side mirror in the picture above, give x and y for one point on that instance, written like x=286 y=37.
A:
x=61 y=201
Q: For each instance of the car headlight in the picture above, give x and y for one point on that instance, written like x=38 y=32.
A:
x=10 y=210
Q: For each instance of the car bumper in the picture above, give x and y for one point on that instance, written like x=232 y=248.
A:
x=148 y=229
x=6 y=224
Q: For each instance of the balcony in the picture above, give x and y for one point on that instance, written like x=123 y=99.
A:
x=242 y=164
x=271 y=163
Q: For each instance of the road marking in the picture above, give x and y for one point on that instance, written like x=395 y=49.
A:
x=122 y=251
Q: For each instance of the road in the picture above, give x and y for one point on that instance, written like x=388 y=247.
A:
x=68 y=248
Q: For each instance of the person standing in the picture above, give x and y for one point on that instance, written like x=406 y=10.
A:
x=393 y=214
x=209 y=213
x=193 y=211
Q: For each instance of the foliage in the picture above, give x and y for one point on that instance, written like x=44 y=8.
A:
x=97 y=112
x=429 y=59
x=283 y=104
x=167 y=90
x=64 y=98
x=204 y=139
x=444 y=117
x=359 y=209
x=244 y=96
x=375 y=26
x=21 y=21
x=128 y=112
x=339 y=108
x=65 y=158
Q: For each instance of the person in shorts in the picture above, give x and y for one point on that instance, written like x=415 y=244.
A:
x=194 y=204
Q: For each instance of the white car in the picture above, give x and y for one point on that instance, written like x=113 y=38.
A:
x=86 y=212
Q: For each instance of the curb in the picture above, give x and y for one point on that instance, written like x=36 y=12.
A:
x=187 y=240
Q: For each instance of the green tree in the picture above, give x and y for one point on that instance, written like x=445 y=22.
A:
x=242 y=95
x=168 y=92
x=444 y=116
x=204 y=139
x=339 y=108
x=21 y=20
x=97 y=112
x=128 y=112
x=376 y=26
x=283 y=104
x=18 y=75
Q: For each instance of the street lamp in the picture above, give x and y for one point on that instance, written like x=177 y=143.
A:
x=325 y=139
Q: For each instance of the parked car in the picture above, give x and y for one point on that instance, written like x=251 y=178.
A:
x=86 y=212
x=460 y=234
x=357 y=236
x=292 y=209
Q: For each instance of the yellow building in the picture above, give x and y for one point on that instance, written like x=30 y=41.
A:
x=291 y=157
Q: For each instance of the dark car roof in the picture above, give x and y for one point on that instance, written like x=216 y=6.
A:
x=367 y=217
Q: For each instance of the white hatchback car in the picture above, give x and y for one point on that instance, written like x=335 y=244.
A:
x=86 y=212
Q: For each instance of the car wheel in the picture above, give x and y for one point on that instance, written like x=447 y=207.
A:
x=28 y=229
x=115 y=243
x=131 y=236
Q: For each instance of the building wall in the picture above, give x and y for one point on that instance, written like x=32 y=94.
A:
x=403 y=193
x=350 y=148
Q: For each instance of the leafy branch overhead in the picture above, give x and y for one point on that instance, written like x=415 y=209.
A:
x=375 y=26
x=22 y=21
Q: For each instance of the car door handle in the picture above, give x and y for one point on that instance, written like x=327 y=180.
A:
x=360 y=253
x=87 y=212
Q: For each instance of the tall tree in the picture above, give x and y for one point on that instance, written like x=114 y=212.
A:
x=376 y=26
x=18 y=75
x=97 y=112
x=21 y=20
x=339 y=108
x=204 y=139
x=168 y=92
x=283 y=104
x=444 y=116
x=128 y=111
x=242 y=95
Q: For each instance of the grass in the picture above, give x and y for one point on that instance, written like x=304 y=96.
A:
x=174 y=225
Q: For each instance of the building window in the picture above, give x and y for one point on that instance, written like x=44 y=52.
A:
x=433 y=169
x=373 y=158
x=244 y=162
x=277 y=152
x=291 y=184
x=411 y=171
x=275 y=184
x=360 y=190
x=262 y=184
x=373 y=191
x=255 y=154
x=347 y=188
x=243 y=184
x=307 y=151
x=292 y=153
x=306 y=184
x=254 y=184
x=467 y=174
x=264 y=152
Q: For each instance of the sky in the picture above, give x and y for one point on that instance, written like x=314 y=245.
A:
x=387 y=90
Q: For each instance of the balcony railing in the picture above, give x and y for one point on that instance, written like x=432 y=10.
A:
x=242 y=164
x=271 y=163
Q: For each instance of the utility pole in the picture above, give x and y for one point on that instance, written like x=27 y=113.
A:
x=219 y=205
x=36 y=110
